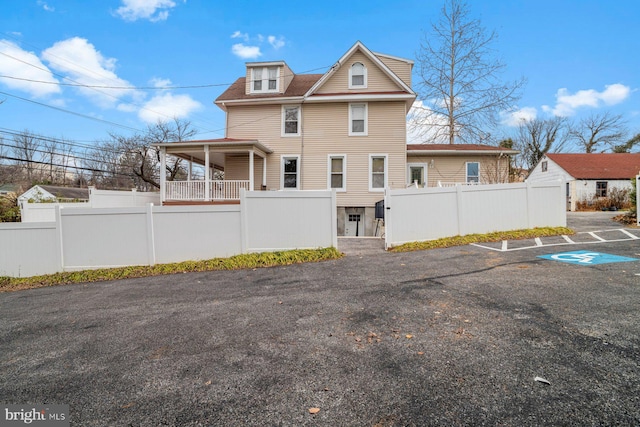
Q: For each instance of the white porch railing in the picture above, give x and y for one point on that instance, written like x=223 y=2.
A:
x=196 y=190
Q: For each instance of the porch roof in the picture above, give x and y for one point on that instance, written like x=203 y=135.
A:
x=194 y=150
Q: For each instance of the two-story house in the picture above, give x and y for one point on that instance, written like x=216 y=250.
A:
x=343 y=130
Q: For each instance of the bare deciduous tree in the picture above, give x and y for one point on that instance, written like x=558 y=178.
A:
x=26 y=147
x=537 y=137
x=459 y=78
x=599 y=132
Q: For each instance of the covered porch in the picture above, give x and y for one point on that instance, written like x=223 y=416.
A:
x=242 y=164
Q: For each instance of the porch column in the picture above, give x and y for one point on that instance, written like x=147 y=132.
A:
x=190 y=171
x=250 y=170
x=264 y=171
x=163 y=174
x=207 y=173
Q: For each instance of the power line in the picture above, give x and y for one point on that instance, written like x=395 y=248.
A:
x=67 y=166
x=71 y=112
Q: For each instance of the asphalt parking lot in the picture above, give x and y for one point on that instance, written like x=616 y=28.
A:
x=454 y=336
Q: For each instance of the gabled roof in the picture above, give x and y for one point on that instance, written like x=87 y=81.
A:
x=598 y=165
x=59 y=192
x=304 y=86
x=457 y=149
x=372 y=57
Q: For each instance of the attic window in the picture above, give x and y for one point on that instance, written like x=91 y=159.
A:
x=545 y=166
x=357 y=76
x=264 y=79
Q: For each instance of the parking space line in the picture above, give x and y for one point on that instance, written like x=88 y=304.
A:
x=568 y=241
x=633 y=236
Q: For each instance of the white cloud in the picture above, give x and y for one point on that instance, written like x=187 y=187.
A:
x=153 y=10
x=16 y=62
x=425 y=126
x=276 y=42
x=167 y=106
x=515 y=118
x=81 y=62
x=251 y=46
x=568 y=103
x=45 y=6
x=246 y=52
x=239 y=35
x=158 y=82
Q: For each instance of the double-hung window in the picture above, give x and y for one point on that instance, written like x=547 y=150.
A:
x=290 y=172
x=290 y=120
x=264 y=79
x=357 y=76
x=473 y=172
x=377 y=172
x=358 y=119
x=601 y=188
x=337 y=172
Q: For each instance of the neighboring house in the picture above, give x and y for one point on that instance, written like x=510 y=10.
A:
x=9 y=189
x=588 y=176
x=48 y=194
x=52 y=193
x=441 y=165
x=342 y=130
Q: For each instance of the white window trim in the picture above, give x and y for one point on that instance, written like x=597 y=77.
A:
x=466 y=172
x=344 y=172
x=351 y=85
x=282 y=132
x=425 y=168
x=366 y=119
x=265 y=80
x=386 y=173
x=282 y=159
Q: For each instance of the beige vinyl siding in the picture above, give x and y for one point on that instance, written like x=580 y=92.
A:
x=377 y=81
x=326 y=131
x=237 y=167
x=452 y=169
x=325 y=128
x=402 y=69
x=286 y=76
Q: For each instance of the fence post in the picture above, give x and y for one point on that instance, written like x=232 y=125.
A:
x=459 y=210
x=529 y=204
x=243 y=221
x=151 y=246
x=334 y=219
x=388 y=228
x=60 y=245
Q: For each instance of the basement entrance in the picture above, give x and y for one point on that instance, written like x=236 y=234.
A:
x=354 y=222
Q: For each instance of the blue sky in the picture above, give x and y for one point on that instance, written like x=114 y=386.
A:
x=579 y=56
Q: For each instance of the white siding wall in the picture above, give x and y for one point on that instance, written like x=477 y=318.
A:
x=432 y=213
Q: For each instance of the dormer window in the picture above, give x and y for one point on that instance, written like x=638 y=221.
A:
x=264 y=79
x=357 y=76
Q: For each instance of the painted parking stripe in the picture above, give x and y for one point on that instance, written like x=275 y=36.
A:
x=568 y=241
x=586 y=258
x=633 y=236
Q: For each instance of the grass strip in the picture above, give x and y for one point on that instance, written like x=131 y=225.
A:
x=254 y=260
x=497 y=236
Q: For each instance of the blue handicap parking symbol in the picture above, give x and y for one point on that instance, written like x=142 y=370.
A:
x=586 y=258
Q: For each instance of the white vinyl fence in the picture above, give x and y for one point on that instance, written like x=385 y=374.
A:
x=44 y=212
x=91 y=238
x=432 y=213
